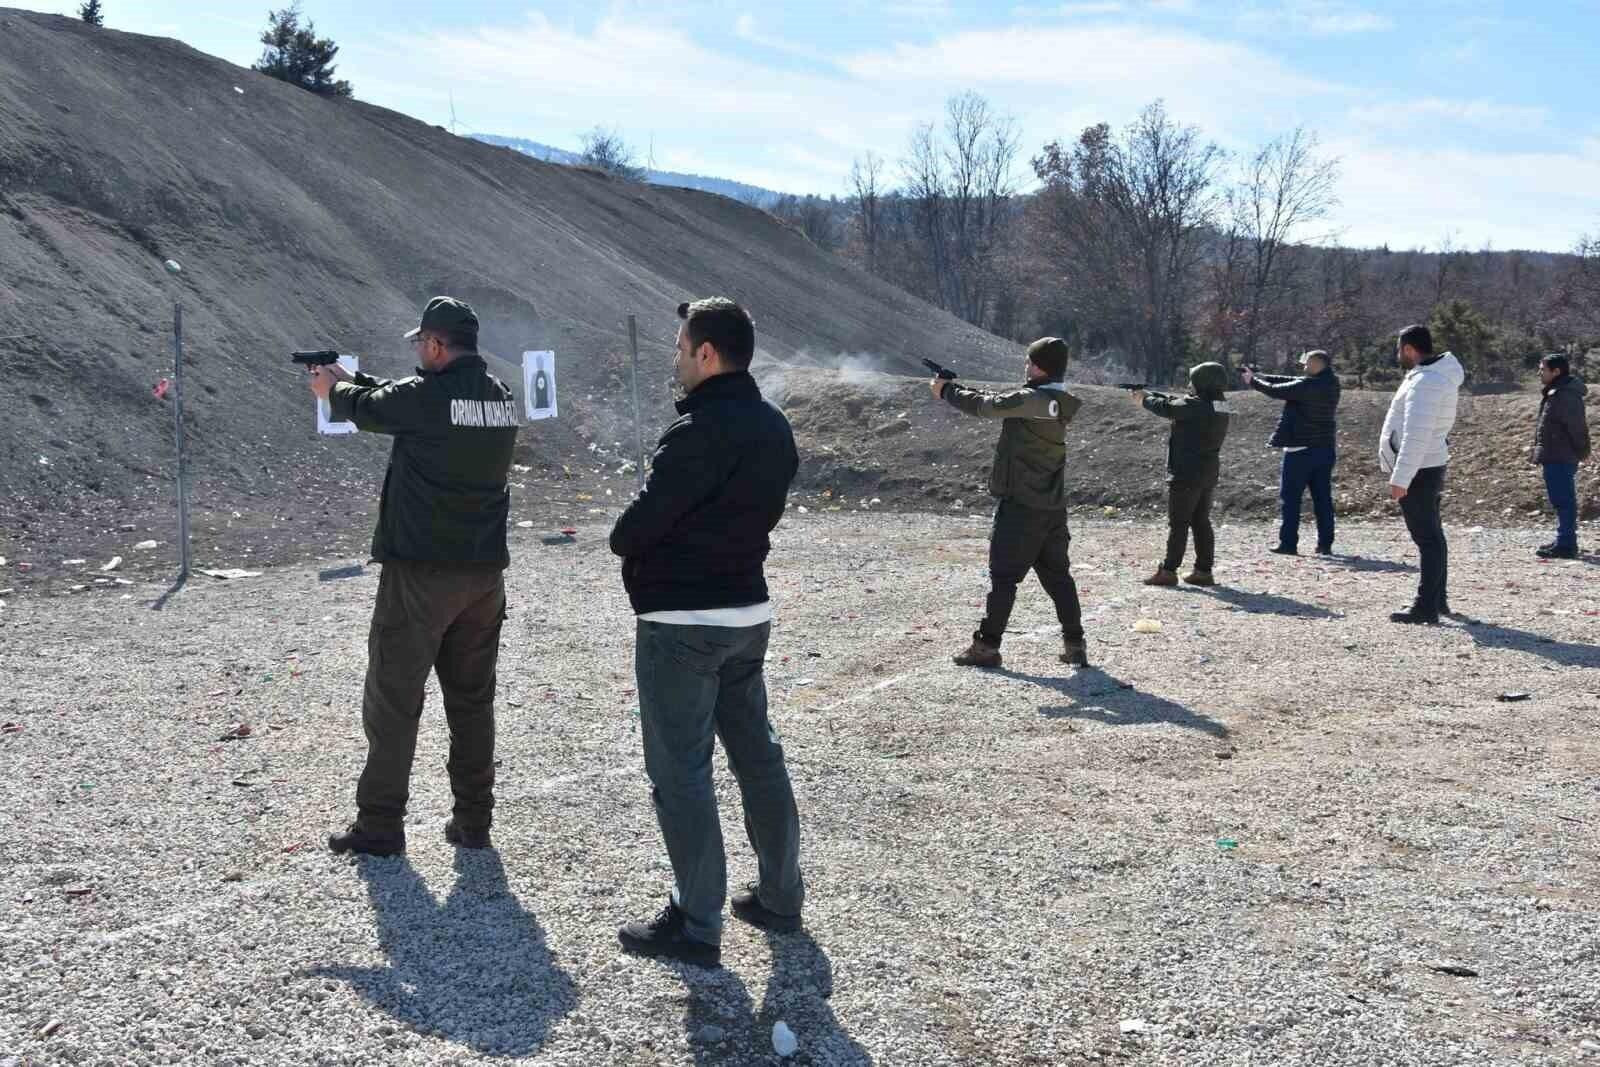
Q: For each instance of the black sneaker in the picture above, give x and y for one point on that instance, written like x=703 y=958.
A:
x=746 y=904
x=1414 y=618
x=1284 y=550
x=1324 y=550
x=466 y=836
x=1557 y=552
x=665 y=936
x=369 y=842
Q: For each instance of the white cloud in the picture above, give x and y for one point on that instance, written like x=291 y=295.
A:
x=751 y=115
x=1434 y=111
x=1319 y=18
x=1409 y=199
x=1073 y=10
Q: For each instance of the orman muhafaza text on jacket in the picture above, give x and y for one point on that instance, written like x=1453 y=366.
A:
x=445 y=498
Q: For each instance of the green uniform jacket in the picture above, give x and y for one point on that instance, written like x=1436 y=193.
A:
x=444 y=496
x=1030 y=460
x=1199 y=425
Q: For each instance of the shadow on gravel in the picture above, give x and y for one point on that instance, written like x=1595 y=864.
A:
x=797 y=994
x=334 y=574
x=1365 y=565
x=474 y=970
x=1264 y=603
x=1488 y=635
x=161 y=601
x=1099 y=697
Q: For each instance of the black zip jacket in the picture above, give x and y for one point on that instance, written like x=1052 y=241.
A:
x=1310 y=410
x=696 y=537
x=444 y=496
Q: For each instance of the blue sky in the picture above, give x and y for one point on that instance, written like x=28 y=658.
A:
x=1460 y=120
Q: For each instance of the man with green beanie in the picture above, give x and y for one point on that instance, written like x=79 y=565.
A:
x=1029 y=481
x=1199 y=425
x=441 y=538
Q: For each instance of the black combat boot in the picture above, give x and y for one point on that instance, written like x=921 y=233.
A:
x=368 y=842
x=981 y=653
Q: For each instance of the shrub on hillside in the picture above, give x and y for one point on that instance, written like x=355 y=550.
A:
x=296 y=54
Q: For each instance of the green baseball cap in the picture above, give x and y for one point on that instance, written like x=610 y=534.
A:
x=447 y=315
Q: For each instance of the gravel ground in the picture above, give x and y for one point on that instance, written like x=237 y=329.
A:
x=1029 y=866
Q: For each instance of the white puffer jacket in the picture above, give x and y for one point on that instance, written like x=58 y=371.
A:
x=1420 y=415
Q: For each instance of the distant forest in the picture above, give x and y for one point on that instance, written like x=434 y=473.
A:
x=1151 y=249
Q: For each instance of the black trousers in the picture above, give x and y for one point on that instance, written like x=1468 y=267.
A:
x=1027 y=539
x=446 y=619
x=1189 y=508
x=1421 y=507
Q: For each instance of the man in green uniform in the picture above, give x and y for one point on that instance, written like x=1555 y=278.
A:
x=441 y=538
x=1199 y=425
x=1029 y=481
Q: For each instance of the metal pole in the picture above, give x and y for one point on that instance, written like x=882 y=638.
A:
x=177 y=415
x=638 y=430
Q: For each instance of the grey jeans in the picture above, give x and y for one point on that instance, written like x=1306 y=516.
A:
x=697 y=683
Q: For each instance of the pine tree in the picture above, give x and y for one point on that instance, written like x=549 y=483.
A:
x=90 y=12
x=296 y=54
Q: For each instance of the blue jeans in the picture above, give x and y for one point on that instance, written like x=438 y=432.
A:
x=1309 y=468
x=1561 y=482
x=698 y=683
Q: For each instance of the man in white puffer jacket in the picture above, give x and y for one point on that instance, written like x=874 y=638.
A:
x=1413 y=452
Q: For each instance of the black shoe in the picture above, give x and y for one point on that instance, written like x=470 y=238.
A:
x=359 y=839
x=1414 y=618
x=1074 y=652
x=466 y=836
x=665 y=936
x=747 y=906
x=1324 y=550
x=1284 y=550
x=1557 y=552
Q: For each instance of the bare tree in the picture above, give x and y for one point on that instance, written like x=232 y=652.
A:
x=815 y=217
x=980 y=155
x=1286 y=187
x=959 y=181
x=605 y=150
x=1127 y=221
x=866 y=177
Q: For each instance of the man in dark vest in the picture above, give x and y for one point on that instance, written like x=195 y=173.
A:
x=441 y=538
x=1028 y=480
x=1307 y=432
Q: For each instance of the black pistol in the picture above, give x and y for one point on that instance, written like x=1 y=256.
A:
x=1132 y=387
x=938 y=371
x=320 y=358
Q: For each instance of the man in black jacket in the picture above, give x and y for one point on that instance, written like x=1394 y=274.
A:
x=1308 y=434
x=693 y=545
x=441 y=538
x=1560 y=443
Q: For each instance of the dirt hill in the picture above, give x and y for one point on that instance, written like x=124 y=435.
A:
x=306 y=222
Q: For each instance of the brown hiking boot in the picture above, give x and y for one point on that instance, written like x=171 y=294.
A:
x=1199 y=577
x=979 y=654
x=1162 y=576
x=1074 y=651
